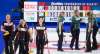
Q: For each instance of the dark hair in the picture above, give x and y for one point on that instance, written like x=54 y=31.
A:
x=75 y=11
x=60 y=13
x=89 y=13
x=39 y=19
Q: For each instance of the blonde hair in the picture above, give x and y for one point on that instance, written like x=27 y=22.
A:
x=8 y=15
x=21 y=21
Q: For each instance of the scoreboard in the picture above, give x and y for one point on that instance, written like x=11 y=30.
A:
x=50 y=10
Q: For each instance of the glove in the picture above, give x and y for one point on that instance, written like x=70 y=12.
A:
x=6 y=33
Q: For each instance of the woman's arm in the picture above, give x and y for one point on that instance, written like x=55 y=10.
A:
x=45 y=32
x=60 y=24
x=2 y=29
x=89 y=28
x=13 y=27
x=35 y=34
x=30 y=31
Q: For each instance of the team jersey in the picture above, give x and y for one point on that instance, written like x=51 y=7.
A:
x=40 y=30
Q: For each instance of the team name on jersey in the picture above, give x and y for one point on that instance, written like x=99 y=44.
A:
x=22 y=29
x=8 y=24
x=40 y=28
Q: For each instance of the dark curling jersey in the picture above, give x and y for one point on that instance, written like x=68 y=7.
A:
x=8 y=26
x=40 y=30
x=23 y=33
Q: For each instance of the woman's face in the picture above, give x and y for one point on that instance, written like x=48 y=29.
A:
x=62 y=13
x=24 y=23
x=41 y=20
x=7 y=17
x=77 y=13
x=89 y=15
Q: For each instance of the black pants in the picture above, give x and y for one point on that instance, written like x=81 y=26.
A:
x=40 y=44
x=60 y=41
x=75 y=38
x=88 y=40
x=94 y=43
x=27 y=39
x=16 y=43
x=8 y=45
x=11 y=39
x=6 y=40
x=26 y=48
x=22 y=40
x=22 y=47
